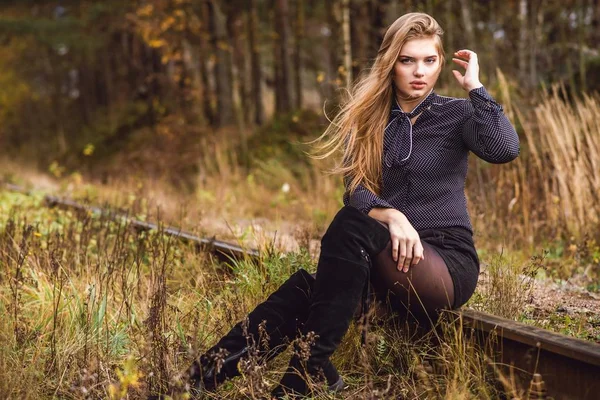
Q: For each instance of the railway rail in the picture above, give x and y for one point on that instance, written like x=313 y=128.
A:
x=547 y=365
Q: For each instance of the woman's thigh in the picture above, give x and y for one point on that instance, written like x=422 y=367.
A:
x=426 y=288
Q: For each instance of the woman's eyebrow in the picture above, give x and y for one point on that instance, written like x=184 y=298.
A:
x=405 y=56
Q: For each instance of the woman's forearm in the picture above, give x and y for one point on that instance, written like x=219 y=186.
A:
x=384 y=215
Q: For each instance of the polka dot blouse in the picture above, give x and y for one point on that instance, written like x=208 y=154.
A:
x=425 y=164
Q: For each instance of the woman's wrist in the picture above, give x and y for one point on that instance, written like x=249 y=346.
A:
x=384 y=215
x=473 y=86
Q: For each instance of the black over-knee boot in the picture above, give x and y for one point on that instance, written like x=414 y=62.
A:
x=282 y=312
x=342 y=275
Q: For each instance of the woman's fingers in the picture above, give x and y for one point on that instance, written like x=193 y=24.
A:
x=465 y=53
x=395 y=243
x=459 y=77
x=419 y=253
x=460 y=62
x=402 y=257
x=409 y=255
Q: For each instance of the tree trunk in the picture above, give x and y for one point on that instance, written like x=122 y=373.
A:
x=537 y=22
x=257 y=102
x=298 y=52
x=566 y=51
x=204 y=50
x=334 y=44
x=450 y=23
x=283 y=91
x=581 y=42
x=359 y=35
x=595 y=25
x=468 y=23
x=347 y=48
x=378 y=25
x=223 y=73
x=522 y=44
x=191 y=64
x=109 y=82
x=235 y=25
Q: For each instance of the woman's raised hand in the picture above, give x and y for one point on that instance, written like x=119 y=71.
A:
x=469 y=61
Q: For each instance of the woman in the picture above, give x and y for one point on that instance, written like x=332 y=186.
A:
x=404 y=228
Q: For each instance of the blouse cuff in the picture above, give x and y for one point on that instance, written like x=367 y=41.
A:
x=376 y=203
x=482 y=100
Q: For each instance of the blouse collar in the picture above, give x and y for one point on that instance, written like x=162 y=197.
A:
x=425 y=103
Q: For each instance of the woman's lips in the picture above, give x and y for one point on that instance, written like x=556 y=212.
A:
x=418 y=85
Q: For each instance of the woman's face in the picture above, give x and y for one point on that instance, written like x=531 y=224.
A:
x=417 y=69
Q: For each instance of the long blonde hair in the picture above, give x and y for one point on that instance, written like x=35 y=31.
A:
x=359 y=127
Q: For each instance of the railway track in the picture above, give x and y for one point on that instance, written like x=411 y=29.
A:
x=547 y=365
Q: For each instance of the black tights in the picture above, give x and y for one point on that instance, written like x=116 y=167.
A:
x=421 y=292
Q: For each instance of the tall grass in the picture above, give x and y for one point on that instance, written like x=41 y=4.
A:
x=565 y=156
x=551 y=191
x=91 y=308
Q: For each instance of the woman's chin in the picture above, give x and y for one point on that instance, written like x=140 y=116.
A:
x=413 y=95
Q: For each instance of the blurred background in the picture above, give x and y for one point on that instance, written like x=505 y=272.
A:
x=215 y=99
x=197 y=114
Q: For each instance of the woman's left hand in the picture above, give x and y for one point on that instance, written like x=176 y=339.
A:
x=468 y=60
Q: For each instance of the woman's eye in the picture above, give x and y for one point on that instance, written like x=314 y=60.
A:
x=405 y=60
x=430 y=60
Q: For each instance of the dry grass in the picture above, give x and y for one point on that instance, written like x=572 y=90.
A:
x=566 y=160
x=93 y=309
x=505 y=286
x=551 y=191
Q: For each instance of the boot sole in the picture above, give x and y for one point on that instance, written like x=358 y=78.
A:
x=338 y=386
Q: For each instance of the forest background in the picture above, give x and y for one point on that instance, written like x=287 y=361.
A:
x=180 y=90
x=204 y=108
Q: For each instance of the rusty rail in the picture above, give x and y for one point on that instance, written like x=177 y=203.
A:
x=549 y=364
x=223 y=250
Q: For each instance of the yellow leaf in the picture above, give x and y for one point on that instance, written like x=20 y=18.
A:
x=156 y=43
x=145 y=11
x=56 y=169
x=167 y=23
x=113 y=391
x=320 y=77
x=223 y=45
x=88 y=150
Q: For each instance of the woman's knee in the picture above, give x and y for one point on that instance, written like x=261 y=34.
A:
x=343 y=230
x=350 y=230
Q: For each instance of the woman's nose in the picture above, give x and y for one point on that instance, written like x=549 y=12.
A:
x=418 y=69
